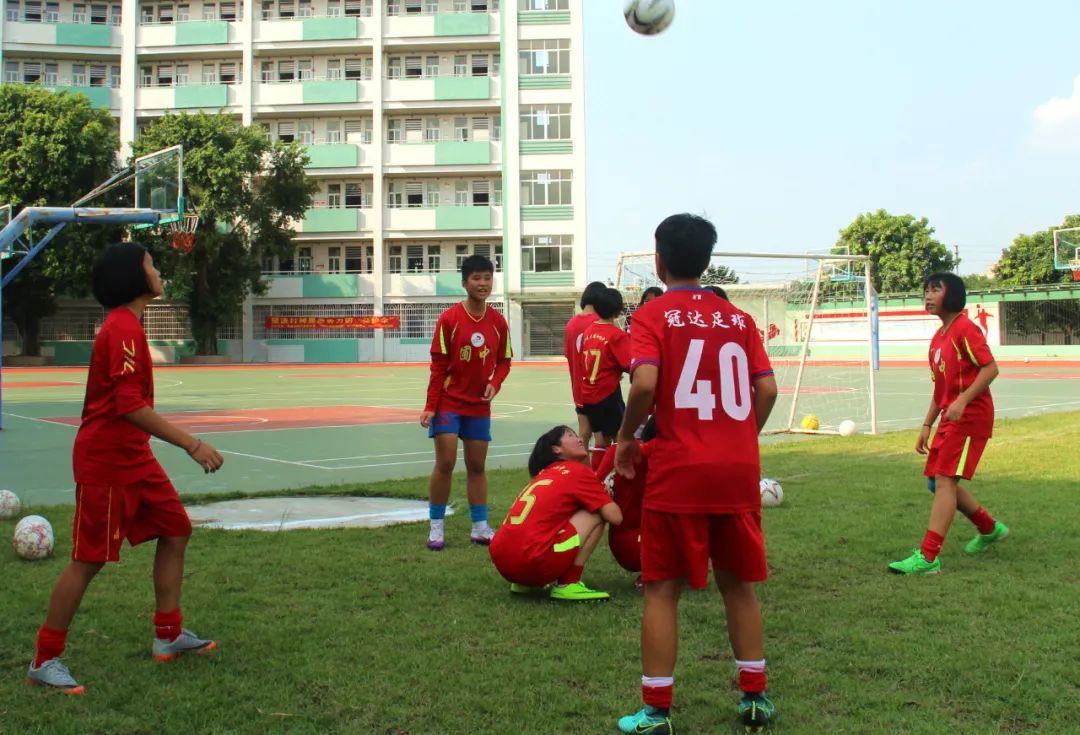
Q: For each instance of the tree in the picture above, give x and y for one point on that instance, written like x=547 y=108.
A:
x=245 y=189
x=902 y=249
x=1030 y=259
x=979 y=282
x=54 y=147
x=716 y=275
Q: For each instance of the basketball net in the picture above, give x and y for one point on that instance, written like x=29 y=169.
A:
x=183 y=233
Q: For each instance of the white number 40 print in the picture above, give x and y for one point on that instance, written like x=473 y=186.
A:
x=734 y=383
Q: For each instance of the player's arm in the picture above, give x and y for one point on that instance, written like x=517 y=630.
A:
x=502 y=363
x=620 y=352
x=982 y=381
x=641 y=399
x=765 y=393
x=928 y=423
x=156 y=425
x=440 y=366
x=612 y=514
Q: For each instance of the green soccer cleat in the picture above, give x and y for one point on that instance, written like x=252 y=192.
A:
x=756 y=711
x=577 y=591
x=646 y=722
x=915 y=564
x=522 y=589
x=982 y=542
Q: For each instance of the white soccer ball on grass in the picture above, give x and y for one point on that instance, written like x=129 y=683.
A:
x=9 y=505
x=771 y=493
x=847 y=427
x=33 y=538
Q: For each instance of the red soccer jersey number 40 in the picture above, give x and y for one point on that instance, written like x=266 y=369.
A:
x=733 y=379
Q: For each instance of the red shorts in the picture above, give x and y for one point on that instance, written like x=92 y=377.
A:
x=680 y=546
x=533 y=570
x=105 y=515
x=954 y=455
x=625 y=545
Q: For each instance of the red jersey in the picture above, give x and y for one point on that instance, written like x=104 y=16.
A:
x=467 y=353
x=543 y=508
x=575 y=329
x=708 y=353
x=956 y=356
x=109 y=449
x=605 y=356
x=626 y=492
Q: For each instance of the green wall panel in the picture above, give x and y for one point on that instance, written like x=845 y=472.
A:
x=333 y=155
x=83 y=34
x=330 y=285
x=544 y=17
x=331 y=220
x=328 y=29
x=547 y=146
x=324 y=350
x=547 y=212
x=201 y=95
x=202 y=33
x=448 y=284
x=544 y=81
x=560 y=278
x=98 y=96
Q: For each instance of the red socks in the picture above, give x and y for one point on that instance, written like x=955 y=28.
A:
x=167 y=625
x=656 y=691
x=931 y=545
x=752 y=677
x=983 y=520
x=50 y=644
x=571 y=575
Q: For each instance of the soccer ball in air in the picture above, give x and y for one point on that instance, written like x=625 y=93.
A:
x=9 y=505
x=649 y=17
x=846 y=428
x=810 y=422
x=33 y=538
x=771 y=493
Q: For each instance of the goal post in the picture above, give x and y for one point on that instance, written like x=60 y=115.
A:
x=817 y=317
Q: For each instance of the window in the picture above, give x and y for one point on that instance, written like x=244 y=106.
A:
x=333 y=259
x=394 y=130
x=481 y=193
x=414 y=195
x=32 y=11
x=393 y=260
x=78 y=13
x=413 y=128
x=358 y=131
x=11 y=72
x=114 y=77
x=480 y=66
x=545 y=187
x=99 y=14
x=305 y=260
x=431 y=195
x=431 y=66
x=286 y=9
x=228 y=11
x=99 y=74
x=415 y=258
x=52 y=12
x=393 y=68
x=12 y=12
x=286 y=71
x=545 y=122
x=527 y=5
x=304 y=9
x=461 y=193
x=52 y=74
x=31 y=72
x=358 y=68
x=333 y=8
x=498 y=257
x=354 y=196
x=305 y=132
x=267 y=9
x=266 y=70
x=461 y=65
x=545 y=57
x=358 y=7
x=209 y=11
x=354 y=262
x=547 y=253
x=146 y=14
x=333 y=131
x=181 y=75
x=413 y=68
x=461 y=129
x=286 y=131
x=481 y=127
x=116 y=14
x=146 y=76
x=228 y=73
x=434 y=258
x=305 y=69
x=431 y=129
x=164 y=75
x=333 y=196
x=333 y=69
x=393 y=195
x=165 y=13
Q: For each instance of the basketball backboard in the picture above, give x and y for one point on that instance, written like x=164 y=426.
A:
x=1067 y=249
x=159 y=183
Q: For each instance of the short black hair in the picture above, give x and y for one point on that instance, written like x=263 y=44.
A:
x=955 y=291
x=543 y=453
x=650 y=291
x=685 y=244
x=476 y=264
x=588 y=296
x=119 y=276
x=719 y=292
x=608 y=303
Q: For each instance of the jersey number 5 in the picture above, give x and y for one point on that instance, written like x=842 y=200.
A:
x=528 y=499
x=734 y=383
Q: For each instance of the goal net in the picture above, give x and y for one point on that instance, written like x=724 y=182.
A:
x=817 y=318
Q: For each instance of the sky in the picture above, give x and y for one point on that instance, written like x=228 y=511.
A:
x=783 y=120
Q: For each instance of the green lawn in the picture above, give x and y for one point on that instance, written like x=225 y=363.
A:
x=364 y=631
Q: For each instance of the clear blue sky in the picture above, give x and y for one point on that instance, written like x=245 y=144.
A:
x=784 y=119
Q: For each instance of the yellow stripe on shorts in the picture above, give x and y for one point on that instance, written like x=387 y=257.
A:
x=571 y=543
x=963 y=458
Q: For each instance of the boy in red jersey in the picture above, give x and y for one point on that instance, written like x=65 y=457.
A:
x=605 y=353
x=575 y=329
x=700 y=360
x=470 y=359
x=962 y=369
x=121 y=491
x=556 y=522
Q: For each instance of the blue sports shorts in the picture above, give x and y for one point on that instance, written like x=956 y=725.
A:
x=466 y=427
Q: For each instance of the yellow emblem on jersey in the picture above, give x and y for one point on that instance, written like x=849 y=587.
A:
x=484 y=353
x=466 y=353
x=129 y=357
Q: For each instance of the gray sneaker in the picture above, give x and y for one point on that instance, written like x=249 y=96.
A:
x=186 y=642
x=54 y=674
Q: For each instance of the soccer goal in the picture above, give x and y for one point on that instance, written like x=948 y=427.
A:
x=816 y=314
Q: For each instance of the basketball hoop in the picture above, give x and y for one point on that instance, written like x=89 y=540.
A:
x=183 y=232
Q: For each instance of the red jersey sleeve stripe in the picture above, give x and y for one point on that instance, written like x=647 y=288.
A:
x=763 y=373
x=643 y=361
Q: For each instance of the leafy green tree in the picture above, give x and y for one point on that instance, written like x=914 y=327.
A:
x=1029 y=260
x=716 y=275
x=245 y=189
x=54 y=147
x=902 y=249
x=979 y=282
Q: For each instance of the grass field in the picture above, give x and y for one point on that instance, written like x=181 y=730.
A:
x=364 y=631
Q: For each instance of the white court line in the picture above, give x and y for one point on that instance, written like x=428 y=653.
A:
x=405 y=454
x=41 y=421
x=271 y=459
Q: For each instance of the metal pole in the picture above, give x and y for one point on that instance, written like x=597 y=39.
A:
x=871 y=321
x=805 y=347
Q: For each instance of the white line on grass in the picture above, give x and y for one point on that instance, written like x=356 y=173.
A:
x=272 y=459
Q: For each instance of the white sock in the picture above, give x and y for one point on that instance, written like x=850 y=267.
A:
x=479 y=526
x=437 y=527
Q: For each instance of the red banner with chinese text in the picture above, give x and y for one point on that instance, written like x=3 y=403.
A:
x=333 y=322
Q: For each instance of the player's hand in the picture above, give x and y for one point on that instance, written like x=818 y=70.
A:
x=955 y=410
x=627 y=456
x=207 y=457
x=425 y=418
x=490 y=392
x=924 y=437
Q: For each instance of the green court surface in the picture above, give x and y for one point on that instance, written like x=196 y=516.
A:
x=283 y=426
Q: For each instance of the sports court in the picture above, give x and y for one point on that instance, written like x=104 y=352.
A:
x=285 y=427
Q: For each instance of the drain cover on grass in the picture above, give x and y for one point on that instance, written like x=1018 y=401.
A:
x=287 y=514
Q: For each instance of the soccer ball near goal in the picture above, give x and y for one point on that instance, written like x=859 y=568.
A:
x=33 y=538
x=810 y=422
x=846 y=428
x=9 y=505
x=649 y=17
x=771 y=493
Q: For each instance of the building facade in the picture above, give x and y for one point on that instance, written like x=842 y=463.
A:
x=435 y=128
